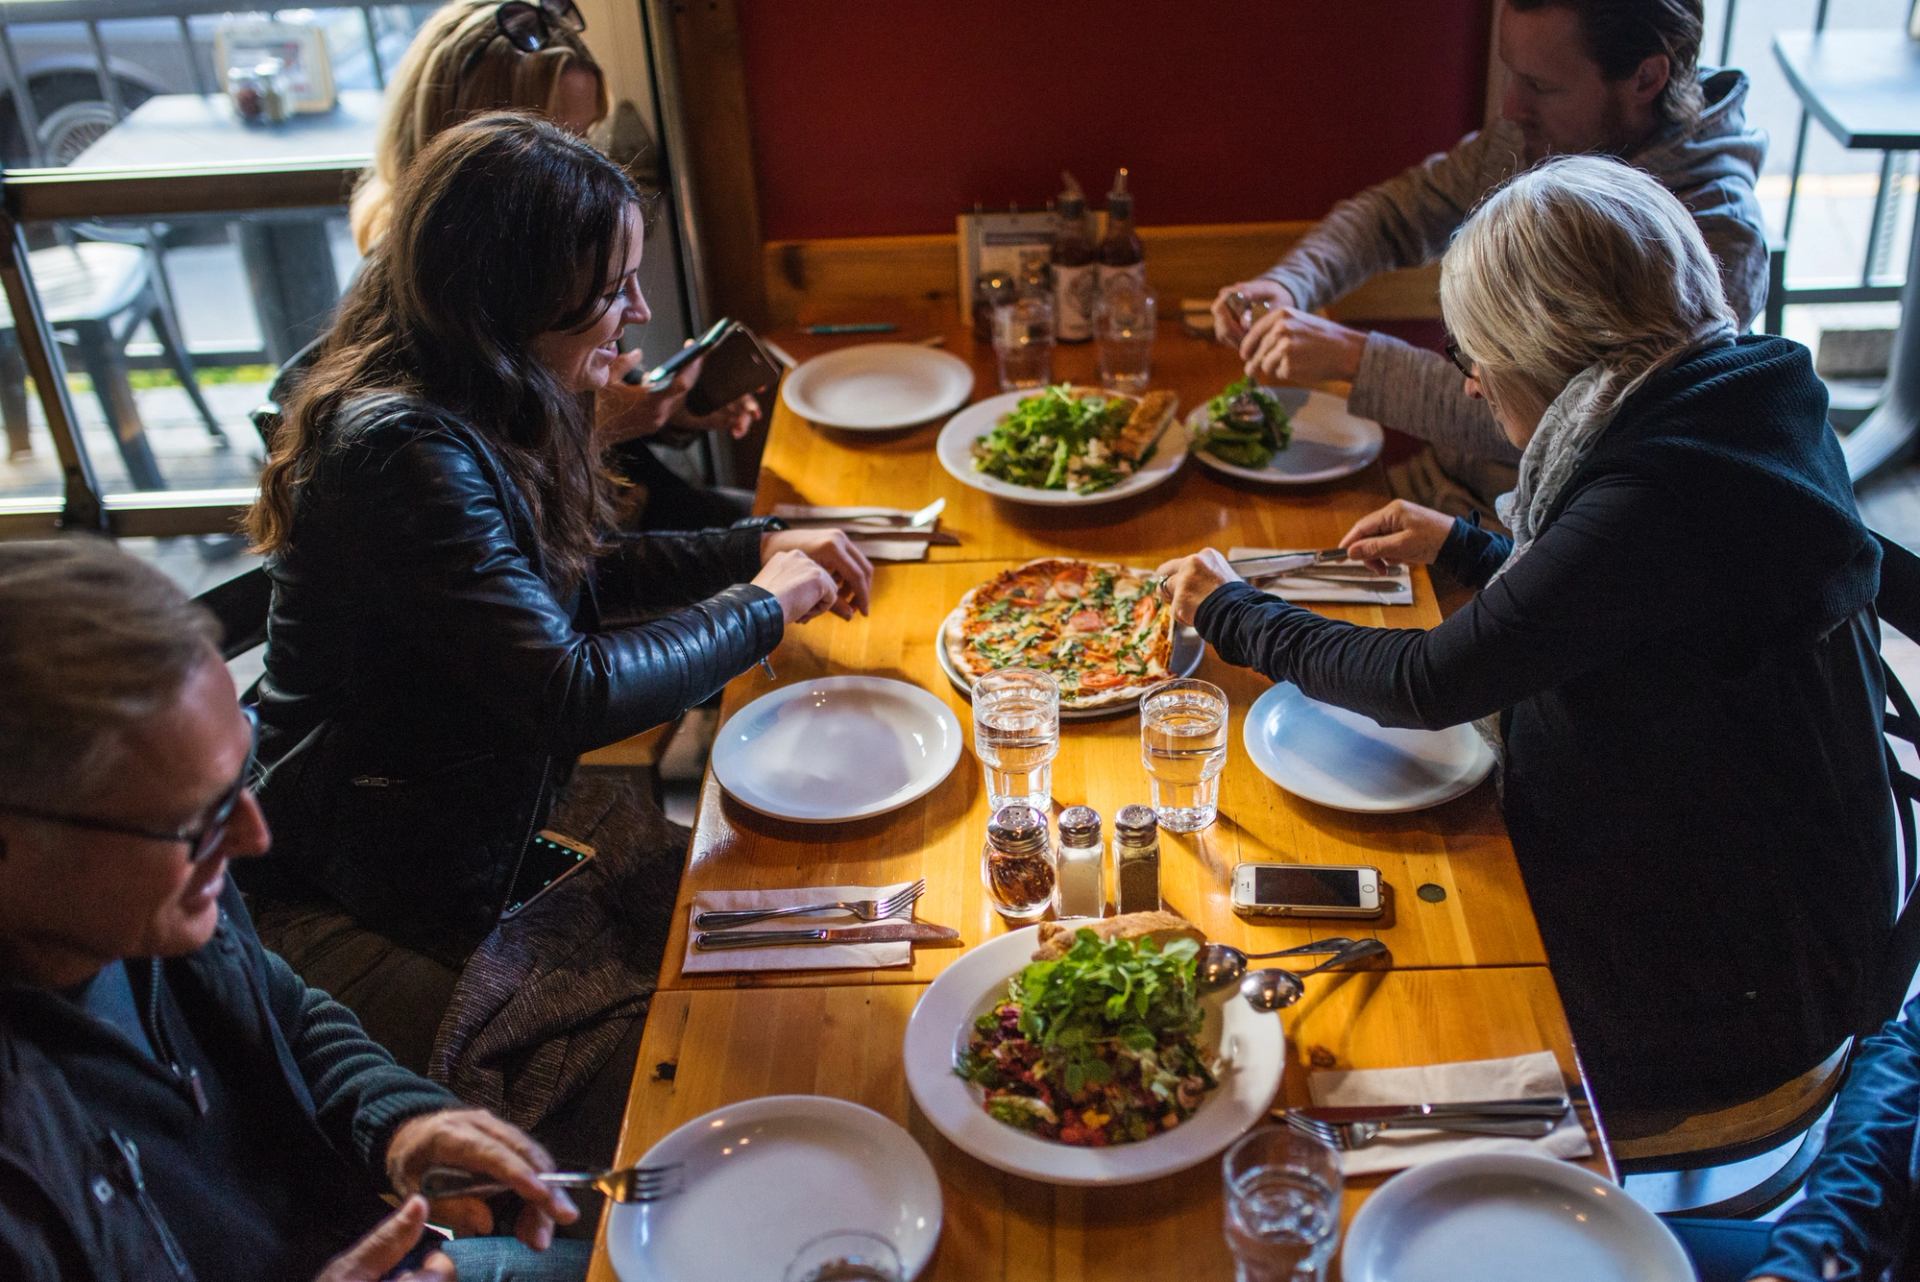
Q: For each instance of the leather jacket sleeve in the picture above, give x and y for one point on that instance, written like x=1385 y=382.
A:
x=456 y=584
x=673 y=568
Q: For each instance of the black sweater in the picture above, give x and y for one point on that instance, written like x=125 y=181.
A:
x=1685 y=667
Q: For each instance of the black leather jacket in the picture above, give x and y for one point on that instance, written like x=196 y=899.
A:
x=425 y=689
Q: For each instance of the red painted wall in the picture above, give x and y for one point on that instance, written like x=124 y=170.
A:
x=872 y=117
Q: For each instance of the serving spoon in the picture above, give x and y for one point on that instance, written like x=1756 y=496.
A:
x=1218 y=966
x=1272 y=990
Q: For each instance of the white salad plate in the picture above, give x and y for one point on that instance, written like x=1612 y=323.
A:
x=764 y=1177
x=877 y=387
x=836 y=748
x=1328 y=442
x=1517 y=1217
x=954 y=448
x=1349 y=761
x=1188 y=650
x=1248 y=1042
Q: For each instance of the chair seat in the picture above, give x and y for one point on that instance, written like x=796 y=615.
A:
x=1672 y=1139
x=89 y=282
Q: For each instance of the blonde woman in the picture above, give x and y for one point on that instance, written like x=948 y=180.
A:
x=475 y=56
x=1676 y=649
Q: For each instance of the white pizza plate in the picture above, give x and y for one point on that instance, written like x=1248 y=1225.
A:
x=836 y=748
x=1249 y=1042
x=1349 y=761
x=878 y=387
x=1518 y=1217
x=954 y=448
x=1188 y=650
x=1328 y=442
x=765 y=1176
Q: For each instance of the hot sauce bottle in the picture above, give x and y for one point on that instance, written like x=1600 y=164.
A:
x=1121 y=254
x=1076 y=279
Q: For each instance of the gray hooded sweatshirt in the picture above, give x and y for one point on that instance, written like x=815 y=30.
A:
x=1710 y=164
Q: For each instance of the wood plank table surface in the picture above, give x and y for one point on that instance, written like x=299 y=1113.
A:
x=1467 y=980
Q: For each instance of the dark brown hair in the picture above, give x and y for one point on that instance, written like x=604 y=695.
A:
x=1622 y=34
x=506 y=227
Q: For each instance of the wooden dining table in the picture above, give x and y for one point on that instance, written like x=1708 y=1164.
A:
x=1467 y=976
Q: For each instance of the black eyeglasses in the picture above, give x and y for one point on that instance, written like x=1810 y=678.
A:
x=1460 y=362
x=200 y=841
x=529 y=27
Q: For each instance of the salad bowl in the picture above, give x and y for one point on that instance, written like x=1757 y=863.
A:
x=954 y=449
x=1248 y=1044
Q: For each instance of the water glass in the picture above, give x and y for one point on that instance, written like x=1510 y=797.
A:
x=1023 y=340
x=846 y=1255
x=1183 y=745
x=1016 y=735
x=1283 y=1205
x=1123 y=328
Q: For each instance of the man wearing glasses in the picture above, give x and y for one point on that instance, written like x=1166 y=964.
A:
x=174 y=1101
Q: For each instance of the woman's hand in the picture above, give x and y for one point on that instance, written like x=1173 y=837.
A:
x=624 y=411
x=833 y=552
x=1188 y=580
x=472 y=1139
x=1401 y=533
x=1295 y=346
x=798 y=583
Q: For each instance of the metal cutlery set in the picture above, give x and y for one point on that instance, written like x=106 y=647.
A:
x=879 y=523
x=1350 y=1128
x=891 y=919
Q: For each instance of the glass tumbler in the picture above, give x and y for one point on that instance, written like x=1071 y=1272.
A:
x=846 y=1255
x=1183 y=745
x=1123 y=328
x=1023 y=342
x=1016 y=735
x=1283 y=1205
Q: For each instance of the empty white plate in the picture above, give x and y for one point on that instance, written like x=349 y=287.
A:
x=1350 y=761
x=1328 y=442
x=765 y=1176
x=836 y=748
x=1517 y=1218
x=875 y=387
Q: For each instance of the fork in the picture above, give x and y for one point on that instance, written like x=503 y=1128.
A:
x=882 y=520
x=1351 y=1135
x=864 y=909
x=622 y=1184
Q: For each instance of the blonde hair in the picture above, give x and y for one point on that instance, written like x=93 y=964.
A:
x=429 y=92
x=1581 y=260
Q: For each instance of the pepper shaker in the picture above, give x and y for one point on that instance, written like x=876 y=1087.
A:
x=1136 y=860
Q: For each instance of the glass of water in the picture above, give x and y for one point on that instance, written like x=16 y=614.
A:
x=1123 y=327
x=846 y=1255
x=1283 y=1205
x=1023 y=340
x=1183 y=745
x=1016 y=735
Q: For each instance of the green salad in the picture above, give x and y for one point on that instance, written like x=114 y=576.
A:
x=1099 y=1047
x=1059 y=439
x=1233 y=438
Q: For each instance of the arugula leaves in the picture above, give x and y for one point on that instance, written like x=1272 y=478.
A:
x=1036 y=443
x=1123 y=992
x=1228 y=440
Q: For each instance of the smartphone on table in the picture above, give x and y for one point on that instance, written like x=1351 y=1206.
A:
x=1308 y=890
x=549 y=859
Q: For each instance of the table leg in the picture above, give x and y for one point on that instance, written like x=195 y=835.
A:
x=290 y=267
x=1893 y=425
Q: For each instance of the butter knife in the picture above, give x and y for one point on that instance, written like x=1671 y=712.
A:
x=1280 y=562
x=918 y=932
x=1531 y=1106
x=899 y=534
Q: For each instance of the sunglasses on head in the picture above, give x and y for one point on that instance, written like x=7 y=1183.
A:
x=529 y=27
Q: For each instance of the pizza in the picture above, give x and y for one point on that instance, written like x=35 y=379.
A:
x=1100 y=630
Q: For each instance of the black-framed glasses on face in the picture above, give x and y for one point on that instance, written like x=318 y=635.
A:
x=201 y=839
x=1460 y=362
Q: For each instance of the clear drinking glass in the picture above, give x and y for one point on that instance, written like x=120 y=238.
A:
x=1016 y=735
x=1183 y=745
x=1123 y=327
x=846 y=1255
x=1023 y=340
x=1283 y=1205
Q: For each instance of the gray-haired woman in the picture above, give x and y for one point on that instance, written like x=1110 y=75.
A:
x=1677 y=649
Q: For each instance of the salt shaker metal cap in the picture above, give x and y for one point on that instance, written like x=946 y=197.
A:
x=1136 y=825
x=1018 y=830
x=1080 y=826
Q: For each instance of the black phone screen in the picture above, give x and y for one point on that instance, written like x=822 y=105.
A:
x=1316 y=887
x=545 y=862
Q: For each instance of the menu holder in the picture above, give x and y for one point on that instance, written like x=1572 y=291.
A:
x=300 y=47
x=1010 y=243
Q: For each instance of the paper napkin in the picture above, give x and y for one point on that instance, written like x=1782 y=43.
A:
x=876 y=549
x=796 y=956
x=1309 y=588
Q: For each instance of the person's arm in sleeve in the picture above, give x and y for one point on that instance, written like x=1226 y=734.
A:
x=664 y=568
x=1419 y=392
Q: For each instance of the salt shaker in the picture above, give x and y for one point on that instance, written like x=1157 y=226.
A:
x=1080 y=886
x=1015 y=865
x=1136 y=860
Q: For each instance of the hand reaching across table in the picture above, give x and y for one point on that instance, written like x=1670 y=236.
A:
x=1187 y=581
x=827 y=555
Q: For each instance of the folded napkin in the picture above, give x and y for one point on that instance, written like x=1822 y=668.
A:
x=1477 y=1079
x=876 y=549
x=1310 y=588
x=796 y=956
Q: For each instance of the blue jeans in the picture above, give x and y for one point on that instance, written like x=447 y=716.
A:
x=1721 y=1250
x=507 y=1259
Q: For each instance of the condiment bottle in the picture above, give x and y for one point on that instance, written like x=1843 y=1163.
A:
x=1015 y=865
x=1121 y=253
x=1080 y=889
x=1076 y=276
x=1136 y=860
x=990 y=289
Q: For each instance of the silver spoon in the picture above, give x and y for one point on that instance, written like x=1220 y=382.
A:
x=1271 y=990
x=1218 y=966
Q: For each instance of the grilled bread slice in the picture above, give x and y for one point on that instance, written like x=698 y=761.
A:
x=1161 y=927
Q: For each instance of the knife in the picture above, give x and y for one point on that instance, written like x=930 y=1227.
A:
x=903 y=534
x=1532 y=1106
x=884 y=933
x=1281 y=562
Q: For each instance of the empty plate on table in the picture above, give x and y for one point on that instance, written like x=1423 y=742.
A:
x=1188 y=651
x=836 y=748
x=1328 y=442
x=1349 y=761
x=954 y=448
x=876 y=387
x=1517 y=1217
x=765 y=1176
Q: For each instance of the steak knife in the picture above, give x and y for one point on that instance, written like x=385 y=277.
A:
x=917 y=932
